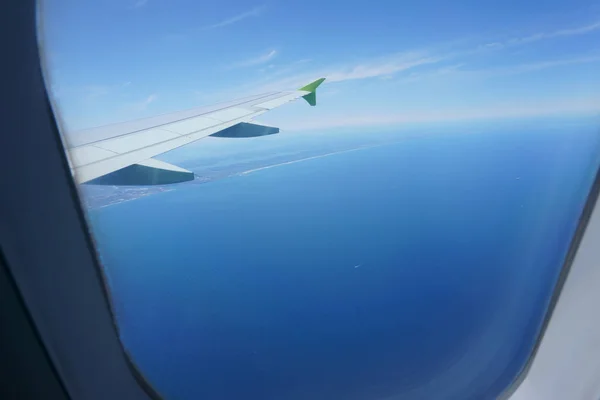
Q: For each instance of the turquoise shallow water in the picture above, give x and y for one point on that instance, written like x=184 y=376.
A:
x=415 y=270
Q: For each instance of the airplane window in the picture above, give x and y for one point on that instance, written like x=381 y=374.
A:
x=394 y=231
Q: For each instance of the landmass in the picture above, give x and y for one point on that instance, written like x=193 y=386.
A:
x=98 y=196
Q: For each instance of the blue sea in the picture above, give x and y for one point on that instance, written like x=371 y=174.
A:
x=417 y=269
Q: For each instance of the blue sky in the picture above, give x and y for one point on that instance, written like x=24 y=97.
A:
x=387 y=62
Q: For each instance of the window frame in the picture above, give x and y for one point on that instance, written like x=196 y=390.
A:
x=49 y=252
x=44 y=237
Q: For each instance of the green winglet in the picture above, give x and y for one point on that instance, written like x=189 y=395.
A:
x=311 y=98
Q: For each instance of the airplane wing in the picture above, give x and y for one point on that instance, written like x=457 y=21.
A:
x=121 y=154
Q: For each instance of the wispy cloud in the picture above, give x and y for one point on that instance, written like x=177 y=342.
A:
x=447 y=60
x=581 y=30
x=541 y=65
x=187 y=34
x=559 y=33
x=516 y=109
x=255 y=12
x=142 y=104
x=378 y=67
x=139 y=3
x=386 y=67
x=267 y=68
x=431 y=73
x=458 y=70
x=382 y=67
x=263 y=58
x=94 y=91
x=302 y=61
x=87 y=92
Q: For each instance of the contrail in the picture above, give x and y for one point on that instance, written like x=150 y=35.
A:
x=313 y=157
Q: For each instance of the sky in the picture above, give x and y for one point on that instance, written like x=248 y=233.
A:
x=386 y=62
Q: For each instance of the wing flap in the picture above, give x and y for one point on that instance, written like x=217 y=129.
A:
x=96 y=169
x=246 y=130
x=147 y=172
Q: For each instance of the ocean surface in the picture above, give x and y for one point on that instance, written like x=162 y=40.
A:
x=419 y=269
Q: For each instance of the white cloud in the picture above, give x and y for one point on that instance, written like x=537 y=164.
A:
x=407 y=64
x=537 y=66
x=87 y=92
x=142 y=104
x=94 y=91
x=501 y=71
x=582 y=30
x=378 y=67
x=458 y=70
x=515 y=109
x=382 y=67
x=255 y=12
x=442 y=71
x=255 y=61
x=140 y=3
x=524 y=40
x=179 y=37
x=385 y=67
x=302 y=61
x=494 y=45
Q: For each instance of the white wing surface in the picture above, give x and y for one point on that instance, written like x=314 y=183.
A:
x=122 y=153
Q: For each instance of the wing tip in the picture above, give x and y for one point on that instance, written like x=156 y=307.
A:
x=311 y=98
x=311 y=87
